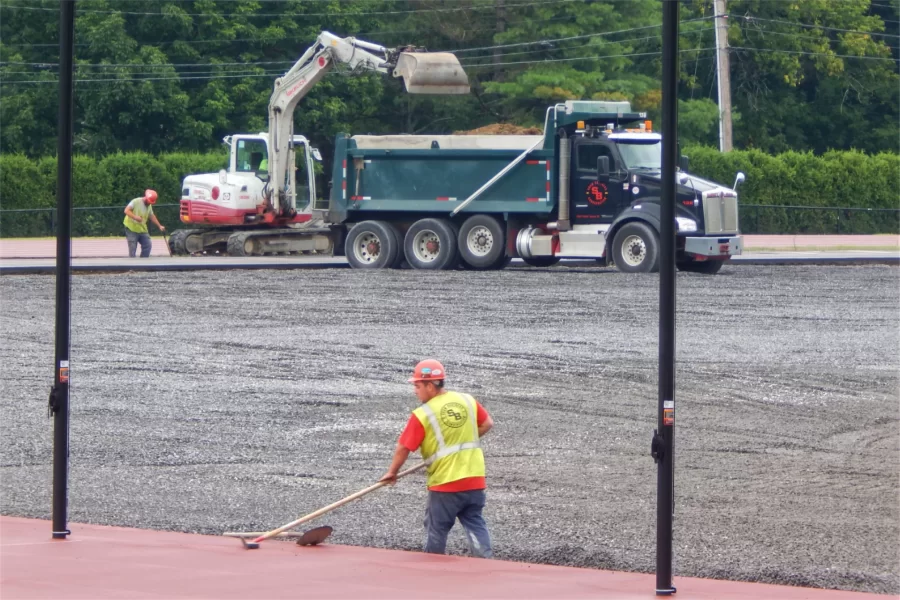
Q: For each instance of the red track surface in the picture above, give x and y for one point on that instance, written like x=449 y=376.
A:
x=116 y=247
x=98 y=562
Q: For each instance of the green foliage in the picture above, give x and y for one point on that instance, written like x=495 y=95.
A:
x=164 y=76
x=851 y=179
x=100 y=189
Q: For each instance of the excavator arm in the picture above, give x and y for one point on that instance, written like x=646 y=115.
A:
x=422 y=73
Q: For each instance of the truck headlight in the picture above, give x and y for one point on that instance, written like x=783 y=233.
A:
x=685 y=224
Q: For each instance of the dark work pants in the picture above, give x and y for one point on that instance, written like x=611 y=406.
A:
x=441 y=512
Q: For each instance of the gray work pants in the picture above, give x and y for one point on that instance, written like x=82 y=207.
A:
x=441 y=512
x=138 y=238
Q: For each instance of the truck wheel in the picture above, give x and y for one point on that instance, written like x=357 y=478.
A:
x=481 y=242
x=430 y=244
x=706 y=267
x=636 y=249
x=398 y=240
x=371 y=245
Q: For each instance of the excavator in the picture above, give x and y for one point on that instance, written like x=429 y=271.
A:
x=266 y=200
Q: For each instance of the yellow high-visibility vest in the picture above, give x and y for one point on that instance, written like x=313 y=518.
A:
x=450 y=448
x=143 y=211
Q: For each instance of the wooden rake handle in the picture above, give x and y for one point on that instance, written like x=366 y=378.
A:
x=331 y=507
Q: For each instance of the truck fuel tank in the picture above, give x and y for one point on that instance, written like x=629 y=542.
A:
x=431 y=73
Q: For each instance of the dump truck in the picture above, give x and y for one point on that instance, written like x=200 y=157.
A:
x=588 y=187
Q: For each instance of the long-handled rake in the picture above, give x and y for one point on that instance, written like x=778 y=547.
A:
x=314 y=536
x=166 y=241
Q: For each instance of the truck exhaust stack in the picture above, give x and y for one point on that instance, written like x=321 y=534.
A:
x=431 y=73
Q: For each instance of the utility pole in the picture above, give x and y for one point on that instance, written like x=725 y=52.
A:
x=662 y=446
x=59 y=394
x=723 y=76
x=500 y=28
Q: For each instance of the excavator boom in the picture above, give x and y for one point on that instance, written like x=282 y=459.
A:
x=422 y=73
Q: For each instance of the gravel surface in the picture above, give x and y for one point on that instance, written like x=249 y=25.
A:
x=206 y=402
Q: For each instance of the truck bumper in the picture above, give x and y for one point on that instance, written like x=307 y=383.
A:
x=714 y=247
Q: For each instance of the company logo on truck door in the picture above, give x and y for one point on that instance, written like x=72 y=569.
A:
x=597 y=193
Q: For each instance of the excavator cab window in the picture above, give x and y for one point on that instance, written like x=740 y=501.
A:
x=252 y=157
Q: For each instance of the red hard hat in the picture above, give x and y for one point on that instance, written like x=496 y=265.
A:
x=150 y=196
x=427 y=370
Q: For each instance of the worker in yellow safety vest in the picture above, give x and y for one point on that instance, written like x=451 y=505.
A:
x=447 y=428
x=138 y=212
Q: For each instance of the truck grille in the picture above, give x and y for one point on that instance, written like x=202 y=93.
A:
x=720 y=213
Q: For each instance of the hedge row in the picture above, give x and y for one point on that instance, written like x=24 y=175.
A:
x=866 y=186
x=852 y=180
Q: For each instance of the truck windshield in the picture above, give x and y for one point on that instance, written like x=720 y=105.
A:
x=641 y=155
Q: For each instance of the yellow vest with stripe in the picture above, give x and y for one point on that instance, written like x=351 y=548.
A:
x=450 y=448
x=141 y=210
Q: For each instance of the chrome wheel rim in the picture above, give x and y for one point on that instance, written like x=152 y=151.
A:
x=480 y=240
x=634 y=250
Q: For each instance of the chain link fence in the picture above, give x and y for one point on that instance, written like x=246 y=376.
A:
x=87 y=221
x=103 y=221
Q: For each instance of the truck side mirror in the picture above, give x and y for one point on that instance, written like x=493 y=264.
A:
x=603 y=169
x=739 y=179
x=683 y=163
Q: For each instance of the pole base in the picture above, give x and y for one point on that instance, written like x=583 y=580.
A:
x=61 y=535
x=667 y=592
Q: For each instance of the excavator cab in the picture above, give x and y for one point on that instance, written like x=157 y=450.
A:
x=431 y=73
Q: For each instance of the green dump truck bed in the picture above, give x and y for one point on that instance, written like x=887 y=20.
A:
x=433 y=174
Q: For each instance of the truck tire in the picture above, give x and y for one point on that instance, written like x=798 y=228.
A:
x=636 y=248
x=482 y=243
x=430 y=244
x=398 y=240
x=706 y=267
x=371 y=245
x=541 y=261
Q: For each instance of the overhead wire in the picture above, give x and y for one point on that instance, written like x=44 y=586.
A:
x=302 y=14
x=811 y=25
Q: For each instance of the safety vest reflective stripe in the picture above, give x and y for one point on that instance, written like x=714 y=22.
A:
x=444 y=450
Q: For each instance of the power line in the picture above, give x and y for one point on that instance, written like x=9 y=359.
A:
x=267 y=15
x=156 y=44
x=596 y=57
x=761 y=31
x=813 y=53
x=811 y=25
x=565 y=39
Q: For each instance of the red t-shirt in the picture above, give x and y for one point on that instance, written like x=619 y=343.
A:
x=412 y=438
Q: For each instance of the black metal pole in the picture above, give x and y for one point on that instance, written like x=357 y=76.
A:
x=663 y=439
x=59 y=395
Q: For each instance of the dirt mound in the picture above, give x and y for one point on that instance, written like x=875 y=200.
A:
x=501 y=129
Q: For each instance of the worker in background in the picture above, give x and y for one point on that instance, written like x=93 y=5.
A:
x=137 y=213
x=447 y=428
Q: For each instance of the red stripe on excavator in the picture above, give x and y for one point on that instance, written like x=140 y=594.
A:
x=532 y=199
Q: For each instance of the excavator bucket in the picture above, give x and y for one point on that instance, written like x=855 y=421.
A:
x=431 y=73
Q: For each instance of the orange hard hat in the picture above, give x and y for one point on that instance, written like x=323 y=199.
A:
x=428 y=370
x=150 y=196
